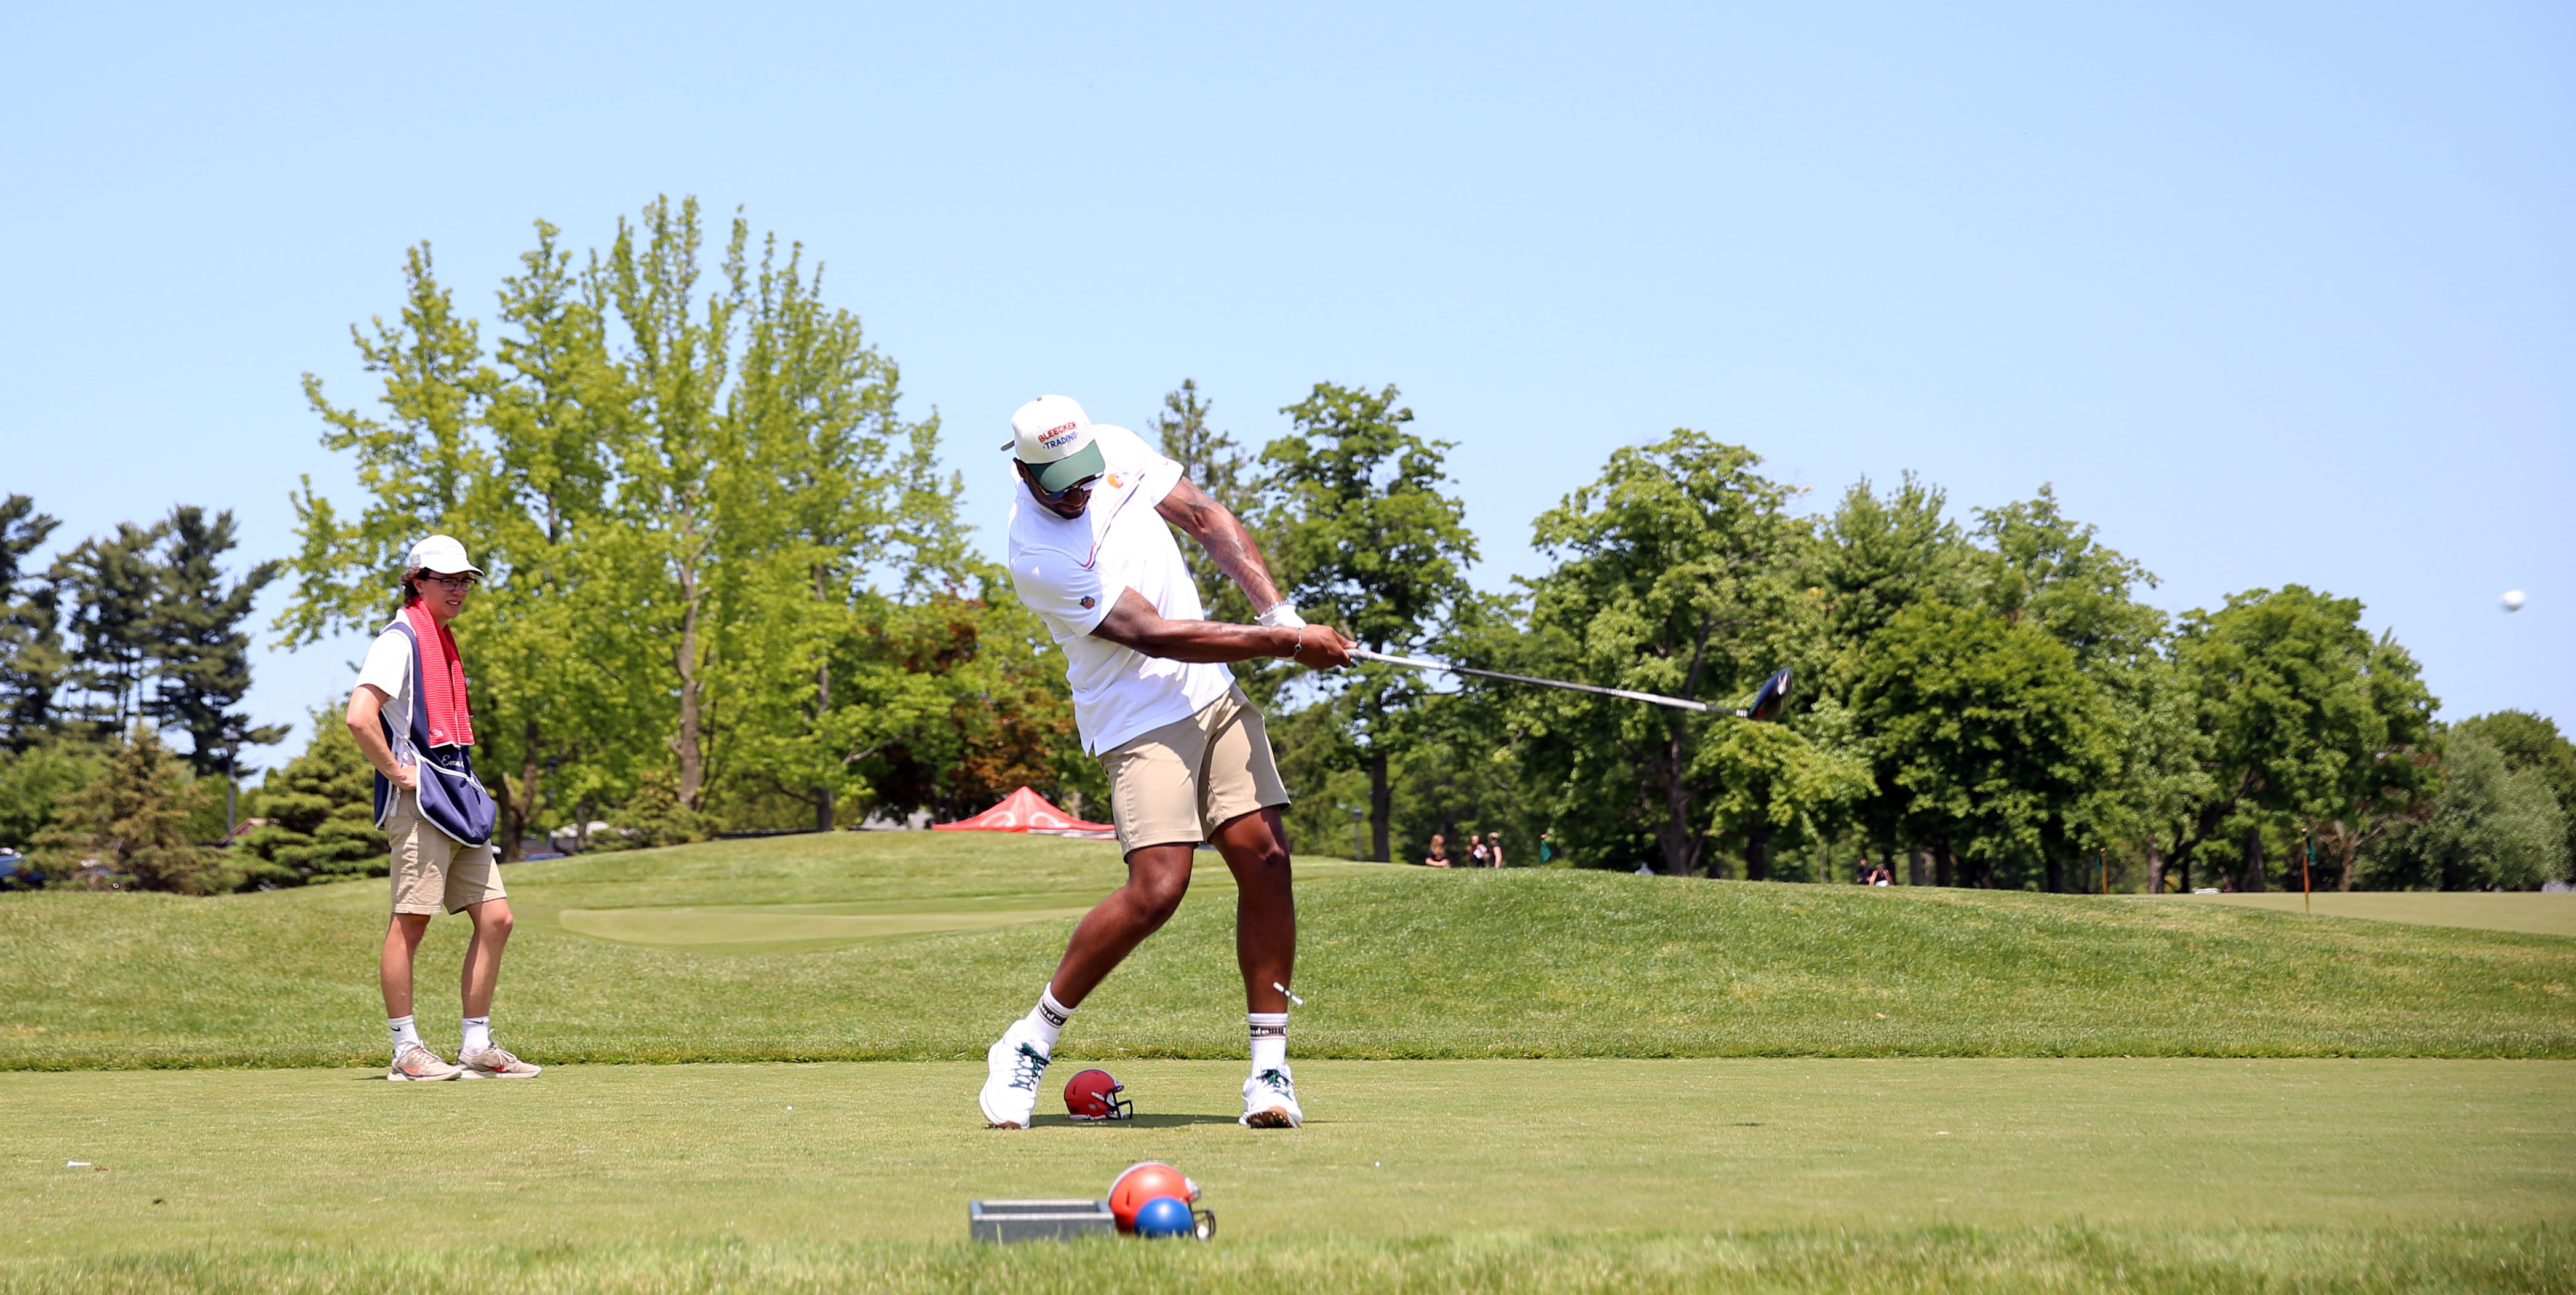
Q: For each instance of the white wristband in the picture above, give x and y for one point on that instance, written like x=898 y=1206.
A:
x=1281 y=615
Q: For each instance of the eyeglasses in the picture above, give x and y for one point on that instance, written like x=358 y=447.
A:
x=449 y=582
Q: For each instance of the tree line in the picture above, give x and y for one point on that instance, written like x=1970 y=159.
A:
x=728 y=588
x=118 y=640
x=1986 y=698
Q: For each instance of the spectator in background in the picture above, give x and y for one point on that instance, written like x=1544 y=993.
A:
x=1476 y=851
x=1494 y=845
x=1546 y=849
x=1882 y=875
x=1439 y=856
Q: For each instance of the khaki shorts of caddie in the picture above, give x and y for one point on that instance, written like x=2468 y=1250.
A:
x=1179 y=783
x=431 y=872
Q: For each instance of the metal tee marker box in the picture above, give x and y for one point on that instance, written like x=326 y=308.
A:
x=1051 y=1220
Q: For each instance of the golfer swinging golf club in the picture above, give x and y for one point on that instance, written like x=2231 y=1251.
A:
x=1188 y=757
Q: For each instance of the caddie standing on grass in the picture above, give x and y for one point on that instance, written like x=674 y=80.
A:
x=1188 y=757
x=411 y=718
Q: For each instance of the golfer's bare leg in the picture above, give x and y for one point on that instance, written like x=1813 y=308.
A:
x=1157 y=877
x=393 y=967
x=1255 y=847
x=492 y=925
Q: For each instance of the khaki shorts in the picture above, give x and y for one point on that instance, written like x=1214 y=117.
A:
x=1181 y=782
x=431 y=872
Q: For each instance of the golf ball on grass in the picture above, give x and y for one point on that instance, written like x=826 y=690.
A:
x=2513 y=600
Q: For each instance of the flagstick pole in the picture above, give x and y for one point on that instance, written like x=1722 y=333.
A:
x=2307 y=893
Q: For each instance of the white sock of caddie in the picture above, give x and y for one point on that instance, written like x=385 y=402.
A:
x=403 y=1032
x=1049 y=1017
x=478 y=1034
x=1269 y=1040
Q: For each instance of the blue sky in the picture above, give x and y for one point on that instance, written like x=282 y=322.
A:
x=2271 y=294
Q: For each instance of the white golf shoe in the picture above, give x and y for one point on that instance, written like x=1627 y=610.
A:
x=1012 y=1068
x=1270 y=1101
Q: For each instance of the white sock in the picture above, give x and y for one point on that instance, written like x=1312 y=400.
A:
x=403 y=1032
x=1049 y=1017
x=1269 y=1040
x=478 y=1034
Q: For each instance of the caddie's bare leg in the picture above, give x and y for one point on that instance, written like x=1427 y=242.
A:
x=393 y=967
x=492 y=926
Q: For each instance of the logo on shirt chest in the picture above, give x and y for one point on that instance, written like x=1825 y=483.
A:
x=1117 y=481
x=1089 y=602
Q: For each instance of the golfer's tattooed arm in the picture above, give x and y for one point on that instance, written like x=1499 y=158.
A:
x=1222 y=535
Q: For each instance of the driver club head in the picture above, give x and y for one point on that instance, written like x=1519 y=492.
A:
x=1774 y=698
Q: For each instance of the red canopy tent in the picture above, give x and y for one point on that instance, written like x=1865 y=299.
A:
x=1026 y=811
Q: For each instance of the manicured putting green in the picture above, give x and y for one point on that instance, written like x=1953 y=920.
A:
x=834 y=1153
x=2527 y=912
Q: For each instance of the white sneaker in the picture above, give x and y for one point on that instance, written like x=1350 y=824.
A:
x=416 y=1062
x=1012 y=1068
x=1270 y=1101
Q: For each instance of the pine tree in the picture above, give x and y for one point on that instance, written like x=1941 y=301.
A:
x=111 y=587
x=321 y=815
x=202 y=656
x=128 y=828
x=31 y=659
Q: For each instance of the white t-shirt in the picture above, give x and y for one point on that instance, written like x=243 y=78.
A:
x=1070 y=572
x=388 y=667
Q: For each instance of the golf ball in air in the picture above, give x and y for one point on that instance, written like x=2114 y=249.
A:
x=2513 y=600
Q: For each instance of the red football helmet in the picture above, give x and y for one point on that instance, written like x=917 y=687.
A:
x=1093 y=1095
x=1144 y=1182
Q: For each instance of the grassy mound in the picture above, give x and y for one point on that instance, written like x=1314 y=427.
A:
x=1395 y=962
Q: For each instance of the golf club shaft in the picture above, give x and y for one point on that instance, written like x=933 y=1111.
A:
x=1420 y=663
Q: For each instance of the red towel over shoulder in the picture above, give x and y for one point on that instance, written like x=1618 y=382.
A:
x=442 y=680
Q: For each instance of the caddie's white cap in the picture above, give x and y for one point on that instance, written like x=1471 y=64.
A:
x=1053 y=436
x=442 y=554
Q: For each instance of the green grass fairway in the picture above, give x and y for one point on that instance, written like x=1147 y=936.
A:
x=2526 y=911
x=1616 y=1174
x=921 y=946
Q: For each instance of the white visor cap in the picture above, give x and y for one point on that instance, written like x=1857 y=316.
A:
x=444 y=554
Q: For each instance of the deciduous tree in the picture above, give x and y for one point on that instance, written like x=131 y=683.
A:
x=2308 y=718
x=2491 y=825
x=693 y=498
x=1370 y=541
x=1985 y=735
x=1678 y=572
x=2532 y=742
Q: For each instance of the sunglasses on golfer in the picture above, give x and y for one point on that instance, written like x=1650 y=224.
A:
x=1057 y=496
